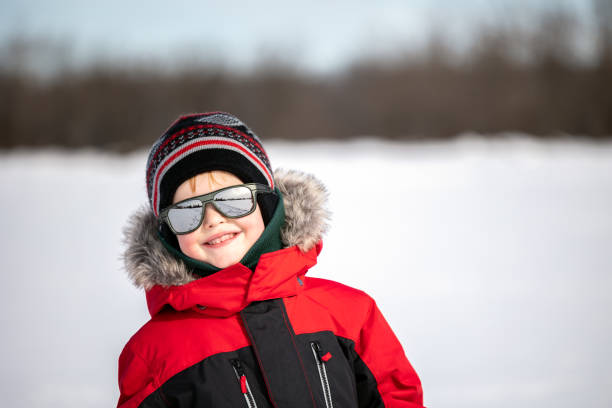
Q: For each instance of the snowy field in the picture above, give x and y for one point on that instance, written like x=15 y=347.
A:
x=491 y=260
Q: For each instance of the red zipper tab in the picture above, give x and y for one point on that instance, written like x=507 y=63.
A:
x=243 y=386
x=326 y=357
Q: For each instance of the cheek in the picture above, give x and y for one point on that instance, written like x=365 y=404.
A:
x=186 y=242
x=252 y=225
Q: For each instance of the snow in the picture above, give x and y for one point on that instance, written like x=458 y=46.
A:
x=490 y=259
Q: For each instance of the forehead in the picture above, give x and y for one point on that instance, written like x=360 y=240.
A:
x=205 y=183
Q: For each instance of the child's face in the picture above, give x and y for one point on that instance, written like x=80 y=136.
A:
x=219 y=241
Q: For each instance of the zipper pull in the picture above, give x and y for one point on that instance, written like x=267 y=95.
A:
x=243 y=386
x=240 y=372
x=322 y=357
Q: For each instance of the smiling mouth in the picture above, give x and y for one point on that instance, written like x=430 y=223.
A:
x=221 y=239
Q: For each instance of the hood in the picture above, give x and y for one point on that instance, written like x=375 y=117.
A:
x=149 y=264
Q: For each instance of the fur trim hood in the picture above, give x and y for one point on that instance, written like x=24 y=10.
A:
x=148 y=262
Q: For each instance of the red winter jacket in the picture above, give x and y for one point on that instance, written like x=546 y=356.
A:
x=265 y=338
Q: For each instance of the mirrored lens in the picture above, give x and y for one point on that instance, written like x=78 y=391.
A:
x=186 y=216
x=234 y=202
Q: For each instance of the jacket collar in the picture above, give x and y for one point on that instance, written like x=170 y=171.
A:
x=278 y=274
x=169 y=281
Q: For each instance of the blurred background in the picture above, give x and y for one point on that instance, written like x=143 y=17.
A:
x=489 y=122
x=112 y=76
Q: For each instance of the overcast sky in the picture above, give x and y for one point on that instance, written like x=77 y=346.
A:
x=317 y=35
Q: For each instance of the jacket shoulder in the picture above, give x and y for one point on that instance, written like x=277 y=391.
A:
x=329 y=288
x=137 y=379
x=344 y=309
x=155 y=335
x=135 y=345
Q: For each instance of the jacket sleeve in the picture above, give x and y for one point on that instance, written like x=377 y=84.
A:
x=382 y=370
x=136 y=380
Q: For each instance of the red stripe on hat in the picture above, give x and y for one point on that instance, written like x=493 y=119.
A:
x=202 y=143
x=190 y=128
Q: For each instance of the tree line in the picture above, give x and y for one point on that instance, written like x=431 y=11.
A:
x=508 y=80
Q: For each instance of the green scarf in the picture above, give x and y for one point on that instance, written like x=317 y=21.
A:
x=269 y=241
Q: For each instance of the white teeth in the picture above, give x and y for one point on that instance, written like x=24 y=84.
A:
x=221 y=239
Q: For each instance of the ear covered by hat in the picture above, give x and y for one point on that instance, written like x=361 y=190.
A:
x=203 y=142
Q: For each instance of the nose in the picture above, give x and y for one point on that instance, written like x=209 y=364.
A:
x=212 y=217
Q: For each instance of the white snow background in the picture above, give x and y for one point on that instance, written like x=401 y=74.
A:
x=491 y=260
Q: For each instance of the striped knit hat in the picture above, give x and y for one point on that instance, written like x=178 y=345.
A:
x=203 y=142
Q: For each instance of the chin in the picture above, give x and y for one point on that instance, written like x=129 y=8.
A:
x=231 y=257
x=219 y=261
x=224 y=265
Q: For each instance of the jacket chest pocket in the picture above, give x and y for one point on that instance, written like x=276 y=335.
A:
x=321 y=358
x=245 y=388
x=330 y=370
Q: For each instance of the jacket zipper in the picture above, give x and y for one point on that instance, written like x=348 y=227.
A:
x=316 y=350
x=244 y=384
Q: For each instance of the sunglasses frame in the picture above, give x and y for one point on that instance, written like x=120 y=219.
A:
x=208 y=198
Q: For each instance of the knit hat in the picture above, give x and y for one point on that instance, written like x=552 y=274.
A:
x=204 y=142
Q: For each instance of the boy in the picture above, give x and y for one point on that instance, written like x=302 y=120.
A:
x=222 y=255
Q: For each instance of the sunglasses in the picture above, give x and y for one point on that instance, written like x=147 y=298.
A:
x=232 y=202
